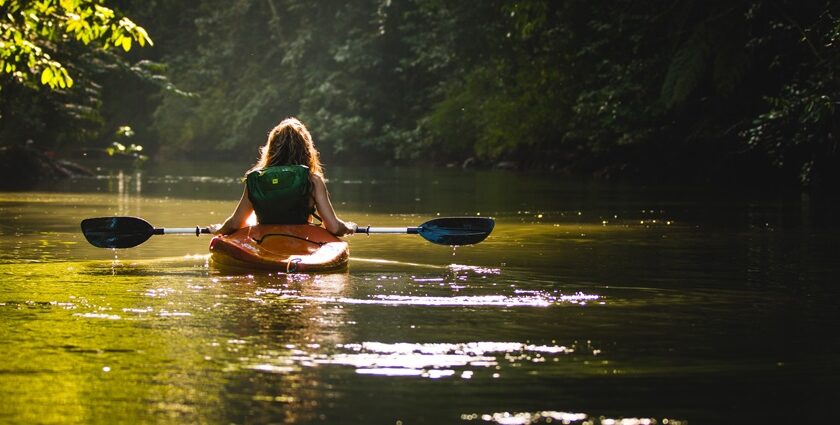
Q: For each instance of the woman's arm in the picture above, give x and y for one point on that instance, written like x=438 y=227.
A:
x=238 y=219
x=325 y=209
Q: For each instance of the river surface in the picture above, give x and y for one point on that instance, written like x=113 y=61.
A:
x=589 y=304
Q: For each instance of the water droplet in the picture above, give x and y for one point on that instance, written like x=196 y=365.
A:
x=115 y=262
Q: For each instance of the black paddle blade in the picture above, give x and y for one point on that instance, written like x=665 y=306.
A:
x=456 y=230
x=116 y=232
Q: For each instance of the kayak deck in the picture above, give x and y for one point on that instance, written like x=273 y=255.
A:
x=289 y=248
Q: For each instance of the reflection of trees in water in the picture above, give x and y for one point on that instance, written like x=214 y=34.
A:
x=129 y=187
x=274 y=333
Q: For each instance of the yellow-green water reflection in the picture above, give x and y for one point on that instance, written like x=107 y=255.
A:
x=612 y=313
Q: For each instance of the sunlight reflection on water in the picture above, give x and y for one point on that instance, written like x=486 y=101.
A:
x=549 y=416
x=427 y=360
x=543 y=300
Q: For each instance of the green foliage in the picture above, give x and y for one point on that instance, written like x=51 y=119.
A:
x=798 y=132
x=33 y=32
x=617 y=87
x=120 y=148
x=59 y=60
x=710 y=55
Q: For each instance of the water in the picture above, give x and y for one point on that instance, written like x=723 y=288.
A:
x=589 y=303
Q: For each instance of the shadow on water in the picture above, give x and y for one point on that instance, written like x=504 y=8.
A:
x=188 y=266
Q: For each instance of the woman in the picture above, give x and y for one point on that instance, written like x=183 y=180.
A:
x=286 y=186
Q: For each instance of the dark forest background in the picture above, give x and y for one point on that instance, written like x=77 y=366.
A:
x=695 y=91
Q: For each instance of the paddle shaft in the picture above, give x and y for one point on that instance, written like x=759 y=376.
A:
x=393 y=230
x=180 y=230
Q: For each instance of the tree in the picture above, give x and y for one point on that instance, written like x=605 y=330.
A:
x=34 y=33
x=56 y=56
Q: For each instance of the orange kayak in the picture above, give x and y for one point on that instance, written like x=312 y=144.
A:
x=297 y=248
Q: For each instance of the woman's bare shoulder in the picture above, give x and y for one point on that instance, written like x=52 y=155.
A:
x=316 y=179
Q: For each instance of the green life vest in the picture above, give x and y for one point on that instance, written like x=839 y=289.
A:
x=281 y=194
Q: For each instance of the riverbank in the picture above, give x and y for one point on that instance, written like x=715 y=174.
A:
x=23 y=167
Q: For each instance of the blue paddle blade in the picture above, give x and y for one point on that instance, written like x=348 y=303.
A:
x=116 y=232
x=456 y=230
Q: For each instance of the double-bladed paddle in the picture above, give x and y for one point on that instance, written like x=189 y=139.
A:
x=127 y=232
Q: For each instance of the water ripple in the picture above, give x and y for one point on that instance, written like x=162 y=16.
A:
x=427 y=360
x=536 y=300
x=550 y=416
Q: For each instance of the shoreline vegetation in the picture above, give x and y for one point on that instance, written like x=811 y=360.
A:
x=686 y=91
x=24 y=167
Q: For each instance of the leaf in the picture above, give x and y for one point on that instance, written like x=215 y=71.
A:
x=46 y=76
x=67 y=79
x=126 y=43
x=143 y=36
x=73 y=25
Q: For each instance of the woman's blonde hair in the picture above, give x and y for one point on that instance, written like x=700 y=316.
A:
x=289 y=143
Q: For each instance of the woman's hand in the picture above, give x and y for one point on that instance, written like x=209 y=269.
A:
x=351 y=227
x=214 y=228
